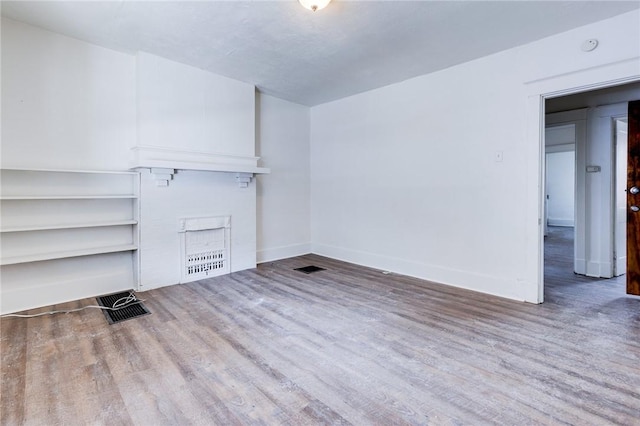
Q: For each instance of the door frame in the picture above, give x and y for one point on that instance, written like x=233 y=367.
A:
x=538 y=91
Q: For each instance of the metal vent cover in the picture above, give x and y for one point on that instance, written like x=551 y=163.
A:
x=310 y=269
x=130 y=310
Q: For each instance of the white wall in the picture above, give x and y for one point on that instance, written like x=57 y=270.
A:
x=65 y=103
x=561 y=171
x=282 y=139
x=405 y=177
x=188 y=109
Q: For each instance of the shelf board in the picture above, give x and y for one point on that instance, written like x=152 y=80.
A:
x=45 y=170
x=37 y=257
x=68 y=197
x=69 y=226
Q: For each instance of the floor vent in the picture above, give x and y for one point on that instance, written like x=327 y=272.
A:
x=127 y=306
x=309 y=269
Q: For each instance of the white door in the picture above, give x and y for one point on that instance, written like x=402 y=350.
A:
x=620 y=227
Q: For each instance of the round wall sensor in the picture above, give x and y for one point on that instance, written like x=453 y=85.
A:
x=589 y=45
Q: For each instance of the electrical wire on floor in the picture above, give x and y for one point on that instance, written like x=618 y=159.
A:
x=121 y=303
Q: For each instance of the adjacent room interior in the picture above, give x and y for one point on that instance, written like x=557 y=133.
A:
x=583 y=131
x=249 y=212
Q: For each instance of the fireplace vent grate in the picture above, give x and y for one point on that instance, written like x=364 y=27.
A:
x=202 y=263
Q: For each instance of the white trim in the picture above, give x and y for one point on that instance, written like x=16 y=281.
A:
x=613 y=111
x=98 y=224
x=561 y=222
x=560 y=118
x=52 y=293
x=283 y=252
x=593 y=78
x=167 y=158
x=599 y=269
x=580 y=265
x=203 y=223
x=28 y=169
x=482 y=283
x=565 y=147
x=198 y=166
x=609 y=75
x=38 y=257
x=67 y=197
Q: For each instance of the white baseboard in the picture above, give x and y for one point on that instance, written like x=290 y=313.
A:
x=496 y=286
x=580 y=266
x=593 y=269
x=20 y=299
x=284 y=252
x=621 y=266
x=599 y=269
x=561 y=222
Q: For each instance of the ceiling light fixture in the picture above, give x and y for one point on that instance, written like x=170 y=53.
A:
x=314 y=4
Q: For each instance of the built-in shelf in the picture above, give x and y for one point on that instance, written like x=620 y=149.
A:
x=68 y=226
x=45 y=170
x=38 y=257
x=67 y=197
x=66 y=234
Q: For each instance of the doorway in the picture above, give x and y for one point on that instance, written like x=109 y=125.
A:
x=596 y=246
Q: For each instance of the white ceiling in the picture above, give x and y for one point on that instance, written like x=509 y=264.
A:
x=312 y=58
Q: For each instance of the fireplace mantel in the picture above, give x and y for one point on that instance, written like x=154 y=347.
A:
x=164 y=161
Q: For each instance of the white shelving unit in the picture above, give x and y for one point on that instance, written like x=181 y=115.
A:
x=66 y=235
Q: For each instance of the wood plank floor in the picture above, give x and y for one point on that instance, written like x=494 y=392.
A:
x=348 y=345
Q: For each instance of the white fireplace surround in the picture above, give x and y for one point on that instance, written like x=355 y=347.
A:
x=204 y=247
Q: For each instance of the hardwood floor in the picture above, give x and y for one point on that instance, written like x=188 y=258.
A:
x=348 y=345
